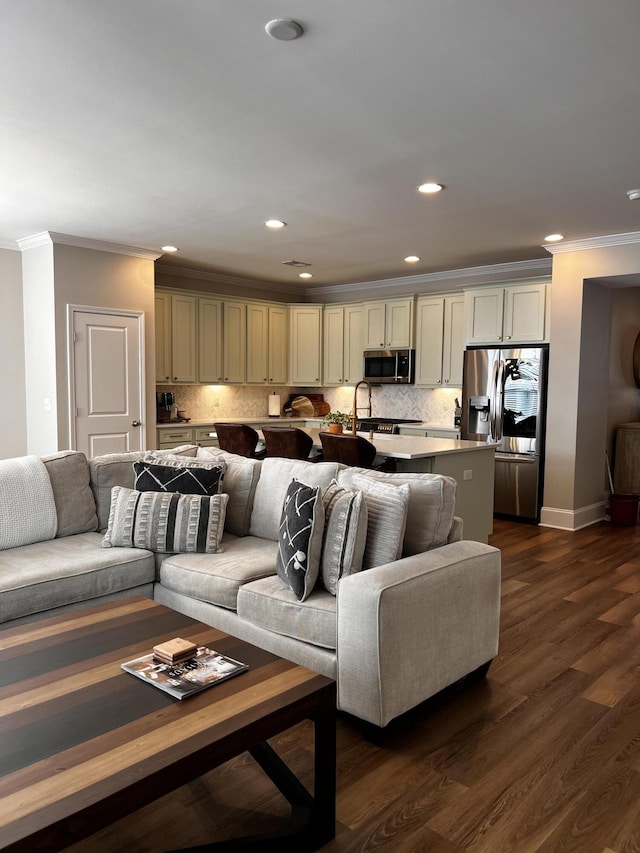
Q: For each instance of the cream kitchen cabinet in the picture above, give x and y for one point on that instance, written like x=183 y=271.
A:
x=266 y=344
x=179 y=351
x=510 y=314
x=305 y=344
x=210 y=341
x=440 y=329
x=343 y=344
x=389 y=324
x=234 y=341
x=163 y=337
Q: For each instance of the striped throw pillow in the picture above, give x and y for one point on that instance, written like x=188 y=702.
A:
x=387 y=508
x=345 y=534
x=165 y=523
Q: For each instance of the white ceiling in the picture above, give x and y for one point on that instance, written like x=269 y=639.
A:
x=148 y=122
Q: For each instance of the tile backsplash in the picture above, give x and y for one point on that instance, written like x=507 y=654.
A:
x=202 y=402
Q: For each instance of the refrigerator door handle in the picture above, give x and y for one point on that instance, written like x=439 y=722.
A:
x=516 y=457
x=499 y=398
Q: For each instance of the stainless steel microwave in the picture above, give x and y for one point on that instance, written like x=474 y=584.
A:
x=390 y=366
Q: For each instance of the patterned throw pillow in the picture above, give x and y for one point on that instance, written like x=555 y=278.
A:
x=165 y=523
x=345 y=534
x=387 y=508
x=300 y=538
x=187 y=479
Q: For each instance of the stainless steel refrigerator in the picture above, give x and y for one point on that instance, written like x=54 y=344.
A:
x=504 y=400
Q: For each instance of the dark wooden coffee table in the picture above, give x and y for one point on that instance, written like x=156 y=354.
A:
x=83 y=743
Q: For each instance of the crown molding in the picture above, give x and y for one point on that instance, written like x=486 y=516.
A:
x=12 y=245
x=593 y=243
x=230 y=280
x=54 y=237
x=433 y=280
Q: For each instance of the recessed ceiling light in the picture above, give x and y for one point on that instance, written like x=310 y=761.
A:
x=305 y=275
x=412 y=259
x=275 y=223
x=169 y=248
x=284 y=29
x=430 y=187
x=554 y=238
x=634 y=195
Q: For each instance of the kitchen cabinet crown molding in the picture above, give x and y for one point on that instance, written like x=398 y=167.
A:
x=54 y=237
x=229 y=280
x=593 y=243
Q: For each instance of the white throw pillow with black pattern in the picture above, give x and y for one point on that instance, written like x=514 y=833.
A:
x=345 y=534
x=300 y=538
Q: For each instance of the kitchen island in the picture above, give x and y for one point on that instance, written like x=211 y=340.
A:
x=470 y=463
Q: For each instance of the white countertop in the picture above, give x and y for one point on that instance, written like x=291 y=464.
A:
x=284 y=420
x=414 y=446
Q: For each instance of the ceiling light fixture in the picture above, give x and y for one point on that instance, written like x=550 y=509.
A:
x=412 y=259
x=284 y=29
x=430 y=187
x=275 y=223
x=634 y=195
x=554 y=238
x=169 y=248
x=305 y=275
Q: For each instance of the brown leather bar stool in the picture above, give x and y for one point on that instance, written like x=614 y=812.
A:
x=348 y=449
x=287 y=442
x=238 y=438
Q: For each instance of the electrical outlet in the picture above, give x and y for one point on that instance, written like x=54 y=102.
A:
x=468 y=475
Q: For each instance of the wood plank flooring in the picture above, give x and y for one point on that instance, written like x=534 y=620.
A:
x=544 y=755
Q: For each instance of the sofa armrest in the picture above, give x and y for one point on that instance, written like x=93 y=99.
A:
x=410 y=628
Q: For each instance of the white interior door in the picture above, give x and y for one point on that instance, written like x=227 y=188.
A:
x=107 y=381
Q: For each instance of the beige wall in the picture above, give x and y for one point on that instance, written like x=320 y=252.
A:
x=56 y=276
x=577 y=420
x=13 y=423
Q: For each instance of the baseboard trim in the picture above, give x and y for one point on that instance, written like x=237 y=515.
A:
x=572 y=519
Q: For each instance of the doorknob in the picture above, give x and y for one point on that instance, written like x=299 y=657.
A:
x=135 y=423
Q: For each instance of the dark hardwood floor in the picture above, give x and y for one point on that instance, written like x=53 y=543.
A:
x=544 y=755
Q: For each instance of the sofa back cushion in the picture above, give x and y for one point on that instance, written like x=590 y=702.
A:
x=432 y=500
x=275 y=476
x=27 y=506
x=116 y=469
x=76 y=507
x=240 y=479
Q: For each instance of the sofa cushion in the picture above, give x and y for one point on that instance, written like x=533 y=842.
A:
x=165 y=522
x=75 y=504
x=432 y=501
x=27 y=505
x=275 y=476
x=269 y=604
x=345 y=534
x=216 y=578
x=185 y=476
x=240 y=480
x=116 y=469
x=51 y=574
x=387 y=518
x=300 y=538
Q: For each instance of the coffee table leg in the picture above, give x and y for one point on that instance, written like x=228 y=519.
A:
x=313 y=818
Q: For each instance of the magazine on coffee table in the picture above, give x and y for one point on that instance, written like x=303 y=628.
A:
x=205 y=669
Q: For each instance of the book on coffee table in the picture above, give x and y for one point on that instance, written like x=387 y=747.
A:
x=187 y=677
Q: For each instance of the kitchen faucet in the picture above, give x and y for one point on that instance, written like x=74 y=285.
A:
x=355 y=403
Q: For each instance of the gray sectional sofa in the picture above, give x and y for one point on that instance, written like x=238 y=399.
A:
x=392 y=636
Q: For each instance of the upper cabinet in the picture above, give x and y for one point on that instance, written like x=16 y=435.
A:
x=176 y=338
x=163 y=337
x=266 y=344
x=440 y=332
x=343 y=344
x=305 y=351
x=234 y=342
x=513 y=313
x=210 y=341
x=388 y=324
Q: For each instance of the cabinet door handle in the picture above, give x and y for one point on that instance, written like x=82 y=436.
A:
x=508 y=337
x=381 y=343
x=446 y=380
x=167 y=377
